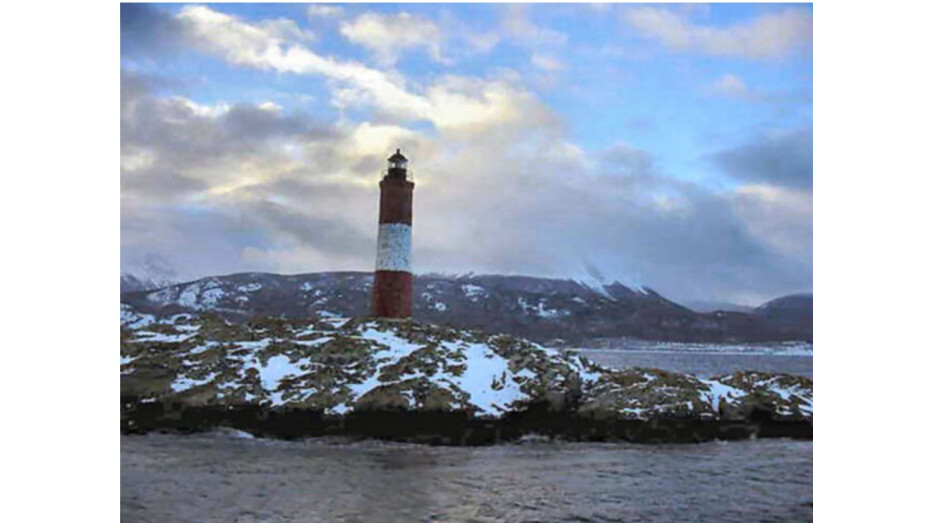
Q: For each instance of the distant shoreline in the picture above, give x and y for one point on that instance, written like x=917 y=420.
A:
x=799 y=354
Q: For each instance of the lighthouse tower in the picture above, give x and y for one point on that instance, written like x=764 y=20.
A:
x=392 y=296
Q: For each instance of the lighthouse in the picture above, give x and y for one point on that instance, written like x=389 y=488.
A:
x=392 y=295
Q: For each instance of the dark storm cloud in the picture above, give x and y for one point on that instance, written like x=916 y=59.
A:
x=624 y=218
x=165 y=140
x=175 y=154
x=679 y=239
x=135 y=86
x=784 y=160
x=699 y=247
x=148 y=30
x=217 y=238
x=161 y=184
x=246 y=123
x=325 y=233
x=628 y=159
x=176 y=124
x=195 y=241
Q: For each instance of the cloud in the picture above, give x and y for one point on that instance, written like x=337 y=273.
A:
x=209 y=186
x=146 y=29
x=729 y=86
x=547 y=63
x=766 y=36
x=451 y=103
x=325 y=11
x=733 y=87
x=628 y=159
x=775 y=205
x=174 y=148
x=241 y=43
x=783 y=159
x=388 y=36
x=517 y=213
x=518 y=26
x=781 y=218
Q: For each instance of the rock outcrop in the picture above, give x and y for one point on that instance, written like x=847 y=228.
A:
x=334 y=370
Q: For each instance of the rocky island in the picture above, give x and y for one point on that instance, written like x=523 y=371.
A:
x=402 y=380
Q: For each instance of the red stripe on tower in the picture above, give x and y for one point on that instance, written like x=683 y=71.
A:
x=392 y=296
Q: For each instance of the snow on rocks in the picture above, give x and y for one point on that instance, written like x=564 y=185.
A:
x=346 y=365
x=791 y=396
x=129 y=318
x=645 y=393
x=718 y=392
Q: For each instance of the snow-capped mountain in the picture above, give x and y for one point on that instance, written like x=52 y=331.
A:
x=148 y=272
x=541 y=309
x=133 y=283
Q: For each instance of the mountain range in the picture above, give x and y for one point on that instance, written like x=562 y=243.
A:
x=552 y=311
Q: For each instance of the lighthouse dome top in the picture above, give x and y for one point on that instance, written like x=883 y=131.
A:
x=397 y=157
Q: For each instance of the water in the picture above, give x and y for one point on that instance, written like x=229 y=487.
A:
x=703 y=364
x=219 y=477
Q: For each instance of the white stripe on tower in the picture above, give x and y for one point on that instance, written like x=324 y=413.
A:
x=393 y=247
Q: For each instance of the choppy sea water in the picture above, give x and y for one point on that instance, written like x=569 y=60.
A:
x=222 y=477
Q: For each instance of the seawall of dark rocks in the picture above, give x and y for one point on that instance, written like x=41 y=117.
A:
x=451 y=428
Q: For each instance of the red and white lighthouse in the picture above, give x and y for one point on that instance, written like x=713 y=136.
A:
x=392 y=296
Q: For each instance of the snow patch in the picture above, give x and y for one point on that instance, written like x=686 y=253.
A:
x=130 y=319
x=183 y=383
x=539 y=309
x=474 y=292
x=488 y=381
x=160 y=337
x=390 y=350
x=202 y=348
x=720 y=391
x=210 y=298
x=188 y=297
x=314 y=342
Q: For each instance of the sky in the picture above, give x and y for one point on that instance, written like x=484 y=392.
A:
x=664 y=145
